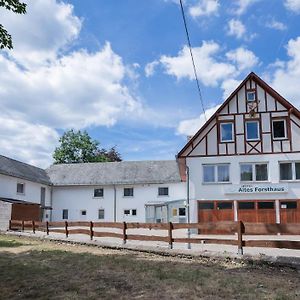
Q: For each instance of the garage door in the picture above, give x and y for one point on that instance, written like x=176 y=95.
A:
x=289 y=211
x=215 y=211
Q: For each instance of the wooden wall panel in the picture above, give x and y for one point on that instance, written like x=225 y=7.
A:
x=26 y=212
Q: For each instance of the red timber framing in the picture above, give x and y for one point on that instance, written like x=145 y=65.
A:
x=268 y=106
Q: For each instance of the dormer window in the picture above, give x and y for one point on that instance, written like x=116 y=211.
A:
x=251 y=96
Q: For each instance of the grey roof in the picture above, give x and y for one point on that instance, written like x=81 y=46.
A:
x=125 y=172
x=21 y=170
x=16 y=201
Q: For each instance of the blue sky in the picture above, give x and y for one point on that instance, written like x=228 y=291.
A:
x=121 y=69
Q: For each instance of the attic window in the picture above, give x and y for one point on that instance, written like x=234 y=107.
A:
x=226 y=132
x=20 y=188
x=251 y=96
x=98 y=192
x=279 y=129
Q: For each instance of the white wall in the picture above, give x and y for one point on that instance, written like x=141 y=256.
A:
x=77 y=198
x=5 y=214
x=8 y=189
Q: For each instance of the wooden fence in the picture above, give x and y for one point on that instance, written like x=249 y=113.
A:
x=229 y=228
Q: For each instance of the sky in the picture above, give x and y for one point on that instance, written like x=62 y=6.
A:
x=121 y=70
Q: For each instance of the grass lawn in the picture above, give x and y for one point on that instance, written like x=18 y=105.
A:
x=35 y=269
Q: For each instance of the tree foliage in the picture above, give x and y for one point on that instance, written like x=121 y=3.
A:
x=78 y=147
x=17 y=7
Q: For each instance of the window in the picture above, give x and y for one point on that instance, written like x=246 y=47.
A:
x=224 y=205
x=130 y=212
x=206 y=205
x=265 y=205
x=226 y=132
x=101 y=214
x=246 y=205
x=20 y=188
x=163 y=191
x=289 y=171
x=252 y=131
x=251 y=96
x=288 y=205
x=181 y=212
x=98 y=193
x=43 y=196
x=279 y=129
x=83 y=212
x=65 y=214
x=216 y=173
x=128 y=192
x=254 y=172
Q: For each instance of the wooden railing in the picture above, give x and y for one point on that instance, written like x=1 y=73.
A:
x=237 y=229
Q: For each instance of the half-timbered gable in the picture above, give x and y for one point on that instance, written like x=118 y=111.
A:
x=254 y=120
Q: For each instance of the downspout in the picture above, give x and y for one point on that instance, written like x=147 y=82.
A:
x=51 y=202
x=115 y=203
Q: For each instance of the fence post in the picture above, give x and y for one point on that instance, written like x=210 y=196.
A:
x=91 y=230
x=66 y=229
x=170 y=228
x=33 y=226
x=22 y=225
x=124 y=233
x=9 y=226
x=240 y=230
x=47 y=227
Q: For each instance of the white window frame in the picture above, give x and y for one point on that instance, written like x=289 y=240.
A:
x=285 y=130
x=128 y=187
x=232 y=132
x=293 y=170
x=98 y=188
x=251 y=92
x=130 y=212
x=215 y=173
x=254 y=171
x=258 y=131
x=22 y=193
x=103 y=213
x=163 y=187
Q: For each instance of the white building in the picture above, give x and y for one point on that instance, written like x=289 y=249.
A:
x=118 y=191
x=244 y=163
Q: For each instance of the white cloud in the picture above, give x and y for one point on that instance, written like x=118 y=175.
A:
x=40 y=34
x=236 y=28
x=28 y=142
x=44 y=87
x=241 y=6
x=210 y=69
x=285 y=76
x=276 y=25
x=150 y=68
x=204 y=8
x=244 y=58
x=191 y=126
x=228 y=86
x=293 y=5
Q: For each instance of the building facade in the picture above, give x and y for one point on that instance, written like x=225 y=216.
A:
x=244 y=163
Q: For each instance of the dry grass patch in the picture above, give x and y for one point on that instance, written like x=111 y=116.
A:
x=49 y=270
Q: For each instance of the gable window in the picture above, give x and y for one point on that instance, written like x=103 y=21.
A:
x=163 y=191
x=216 y=173
x=251 y=96
x=128 y=192
x=252 y=130
x=226 y=130
x=279 y=129
x=65 y=214
x=101 y=214
x=289 y=171
x=98 y=193
x=21 y=188
x=254 y=172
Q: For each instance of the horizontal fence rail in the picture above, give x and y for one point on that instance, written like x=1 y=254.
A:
x=240 y=229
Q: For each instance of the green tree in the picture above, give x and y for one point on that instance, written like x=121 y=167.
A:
x=17 y=7
x=78 y=147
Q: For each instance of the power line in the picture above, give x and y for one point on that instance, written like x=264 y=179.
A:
x=192 y=56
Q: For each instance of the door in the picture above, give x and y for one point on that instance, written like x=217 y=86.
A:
x=289 y=211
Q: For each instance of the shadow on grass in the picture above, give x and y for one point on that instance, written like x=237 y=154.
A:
x=66 y=275
x=10 y=244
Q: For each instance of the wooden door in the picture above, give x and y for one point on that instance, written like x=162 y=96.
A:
x=206 y=212
x=224 y=211
x=289 y=211
x=266 y=212
x=247 y=211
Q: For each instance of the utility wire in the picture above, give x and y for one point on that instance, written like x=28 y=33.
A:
x=192 y=56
